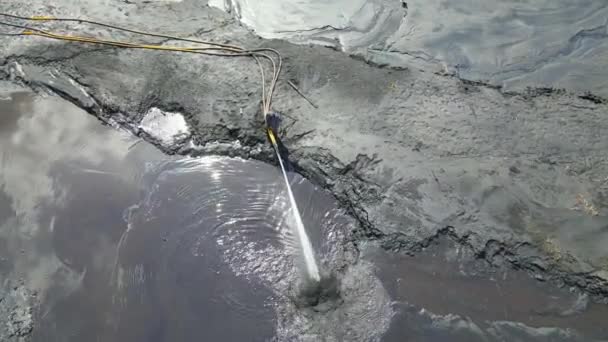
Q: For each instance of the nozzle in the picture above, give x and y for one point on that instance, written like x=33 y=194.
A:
x=271 y=136
x=273 y=121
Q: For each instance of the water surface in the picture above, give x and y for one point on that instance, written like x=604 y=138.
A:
x=123 y=243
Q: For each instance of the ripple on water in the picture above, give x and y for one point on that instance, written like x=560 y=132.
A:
x=244 y=232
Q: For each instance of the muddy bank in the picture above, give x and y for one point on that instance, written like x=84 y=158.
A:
x=450 y=283
x=16 y=312
x=519 y=178
x=540 y=43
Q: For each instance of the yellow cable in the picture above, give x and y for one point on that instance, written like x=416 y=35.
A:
x=276 y=68
x=42 y=17
x=271 y=136
x=214 y=49
x=112 y=42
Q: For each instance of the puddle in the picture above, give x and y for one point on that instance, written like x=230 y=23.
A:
x=102 y=269
x=122 y=243
x=446 y=286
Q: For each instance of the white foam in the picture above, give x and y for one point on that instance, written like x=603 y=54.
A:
x=164 y=126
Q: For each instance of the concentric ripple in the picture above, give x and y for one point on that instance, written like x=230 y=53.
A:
x=123 y=243
x=223 y=225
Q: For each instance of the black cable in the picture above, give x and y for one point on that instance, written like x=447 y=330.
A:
x=157 y=35
x=235 y=50
x=23 y=27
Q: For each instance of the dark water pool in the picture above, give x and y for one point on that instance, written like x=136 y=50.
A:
x=122 y=243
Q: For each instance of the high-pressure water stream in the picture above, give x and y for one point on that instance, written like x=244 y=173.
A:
x=312 y=270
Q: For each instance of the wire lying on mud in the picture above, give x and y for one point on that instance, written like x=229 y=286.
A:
x=208 y=48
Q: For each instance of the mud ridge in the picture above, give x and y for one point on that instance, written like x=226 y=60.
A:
x=519 y=256
x=529 y=92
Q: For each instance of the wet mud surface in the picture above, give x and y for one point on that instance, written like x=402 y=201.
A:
x=410 y=157
x=450 y=284
x=540 y=43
